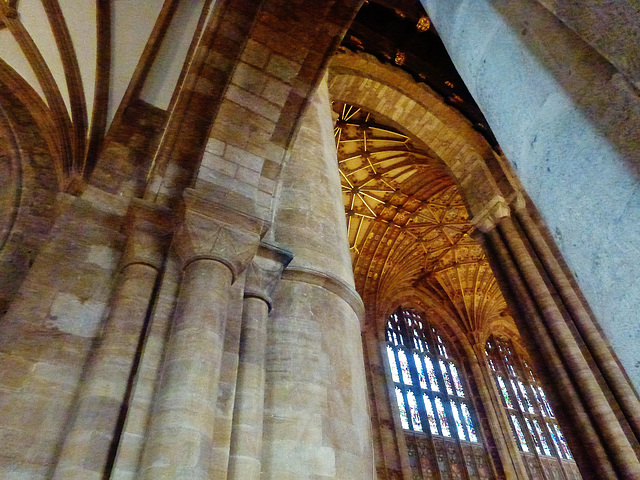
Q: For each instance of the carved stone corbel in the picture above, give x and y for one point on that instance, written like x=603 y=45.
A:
x=265 y=270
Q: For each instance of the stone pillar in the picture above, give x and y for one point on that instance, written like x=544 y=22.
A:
x=246 y=436
x=316 y=410
x=215 y=244
x=89 y=448
x=602 y=415
x=589 y=332
x=587 y=447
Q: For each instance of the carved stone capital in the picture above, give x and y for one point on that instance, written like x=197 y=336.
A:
x=495 y=210
x=518 y=202
x=148 y=228
x=265 y=270
x=214 y=231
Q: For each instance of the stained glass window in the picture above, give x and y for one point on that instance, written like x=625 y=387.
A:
x=433 y=425
x=415 y=415
x=456 y=417
x=433 y=380
x=392 y=364
x=533 y=435
x=447 y=378
x=563 y=442
x=515 y=390
x=404 y=366
x=516 y=379
x=456 y=380
x=505 y=392
x=403 y=410
x=429 y=386
x=420 y=369
x=469 y=421
x=543 y=440
x=442 y=416
x=519 y=434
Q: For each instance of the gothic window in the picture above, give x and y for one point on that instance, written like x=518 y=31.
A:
x=532 y=418
x=428 y=386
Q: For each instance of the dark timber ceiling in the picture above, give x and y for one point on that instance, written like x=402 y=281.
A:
x=388 y=29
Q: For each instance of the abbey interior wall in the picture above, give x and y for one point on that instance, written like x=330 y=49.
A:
x=51 y=326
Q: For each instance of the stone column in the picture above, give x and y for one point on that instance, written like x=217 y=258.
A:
x=602 y=415
x=496 y=416
x=589 y=332
x=90 y=445
x=316 y=410
x=215 y=244
x=246 y=436
x=588 y=450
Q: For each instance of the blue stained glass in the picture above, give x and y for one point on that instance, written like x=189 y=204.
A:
x=403 y=411
x=447 y=378
x=467 y=418
x=515 y=390
x=421 y=377
x=456 y=380
x=555 y=440
x=540 y=404
x=533 y=435
x=444 y=425
x=433 y=380
x=492 y=365
x=526 y=397
x=392 y=363
x=563 y=442
x=544 y=400
x=413 y=408
x=543 y=439
x=456 y=418
x=519 y=433
x=505 y=393
x=433 y=425
x=404 y=366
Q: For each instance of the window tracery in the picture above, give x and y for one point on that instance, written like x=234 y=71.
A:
x=532 y=419
x=433 y=402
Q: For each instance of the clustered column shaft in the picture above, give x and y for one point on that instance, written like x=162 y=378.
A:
x=89 y=446
x=180 y=441
x=246 y=435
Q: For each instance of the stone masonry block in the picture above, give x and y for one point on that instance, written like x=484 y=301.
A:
x=283 y=68
x=249 y=78
x=243 y=158
x=256 y=54
x=253 y=103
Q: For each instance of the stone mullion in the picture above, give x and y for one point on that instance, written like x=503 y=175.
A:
x=595 y=463
x=600 y=412
x=501 y=430
x=246 y=435
x=590 y=334
x=90 y=445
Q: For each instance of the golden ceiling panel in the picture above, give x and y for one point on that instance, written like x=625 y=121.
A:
x=408 y=226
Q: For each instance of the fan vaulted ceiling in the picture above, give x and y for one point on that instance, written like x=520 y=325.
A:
x=408 y=226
